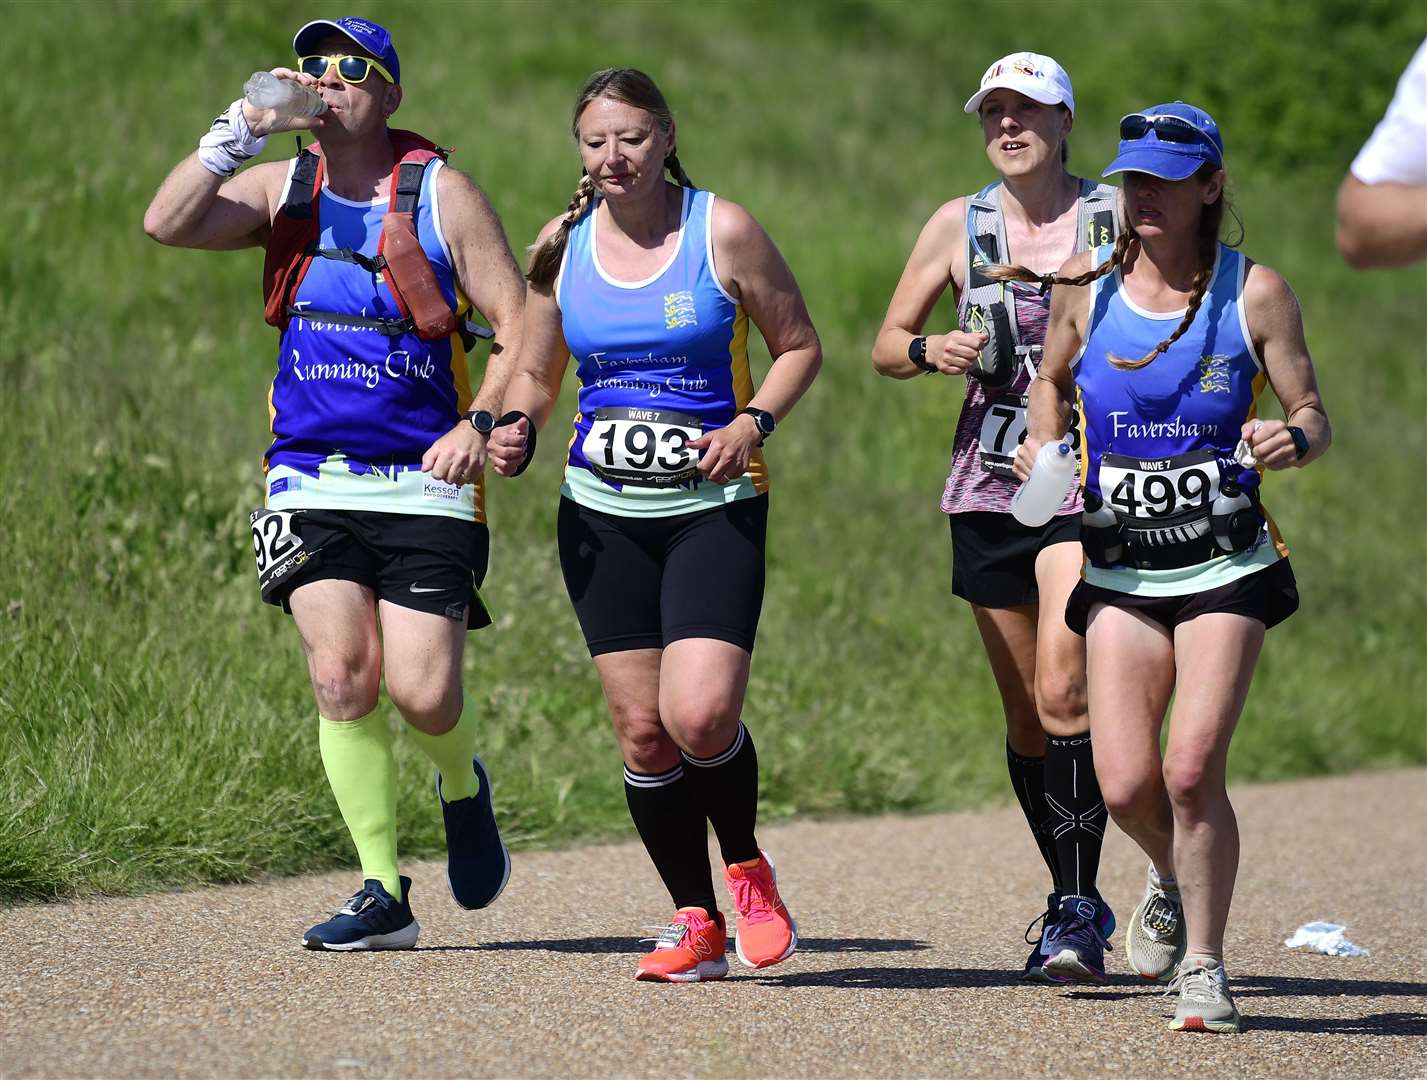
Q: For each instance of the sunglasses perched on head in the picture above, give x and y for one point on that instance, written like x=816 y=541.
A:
x=350 y=69
x=1170 y=129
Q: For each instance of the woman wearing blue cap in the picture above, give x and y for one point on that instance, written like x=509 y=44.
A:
x=372 y=533
x=1168 y=337
x=1016 y=578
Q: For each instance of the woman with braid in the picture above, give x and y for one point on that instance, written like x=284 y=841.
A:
x=1017 y=579
x=651 y=285
x=1167 y=339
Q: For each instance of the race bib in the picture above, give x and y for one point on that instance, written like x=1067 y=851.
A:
x=277 y=547
x=643 y=447
x=1003 y=428
x=1163 y=501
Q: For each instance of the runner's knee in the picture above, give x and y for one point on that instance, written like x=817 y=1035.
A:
x=1060 y=702
x=1131 y=798
x=345 y=686
x=1192 y=781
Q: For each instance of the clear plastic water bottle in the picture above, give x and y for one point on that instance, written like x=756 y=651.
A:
x=264 y=90
x=1037 y=500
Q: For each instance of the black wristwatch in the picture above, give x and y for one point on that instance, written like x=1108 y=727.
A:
x=1300 y=441
x=917 y=354
x=764 y=419
x=481 y=420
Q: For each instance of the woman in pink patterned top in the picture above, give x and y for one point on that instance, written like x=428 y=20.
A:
x=1017 y=579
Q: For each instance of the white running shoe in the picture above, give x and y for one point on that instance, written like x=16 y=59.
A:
x=1204 y=1000
x=1157 y=937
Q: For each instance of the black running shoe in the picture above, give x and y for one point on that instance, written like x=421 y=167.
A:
x=1035 y=963
x=477 y=862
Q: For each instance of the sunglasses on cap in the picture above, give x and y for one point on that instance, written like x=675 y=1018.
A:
x=1170 y=129
x=350 y=69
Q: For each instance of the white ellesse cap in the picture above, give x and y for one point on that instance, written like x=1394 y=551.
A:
x=1038 y=77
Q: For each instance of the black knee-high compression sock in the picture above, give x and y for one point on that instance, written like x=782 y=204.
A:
x=1028 y=780
x=674 y=833
x=725 y=788
x=1077 y=813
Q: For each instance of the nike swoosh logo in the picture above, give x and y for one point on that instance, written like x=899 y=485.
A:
x=418 y=589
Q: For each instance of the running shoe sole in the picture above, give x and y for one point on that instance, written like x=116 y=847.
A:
x=1203 y=1026
x=1066 y=966
x=405 y=938
x=706 y=971
x=792 y=923
x=505 y=851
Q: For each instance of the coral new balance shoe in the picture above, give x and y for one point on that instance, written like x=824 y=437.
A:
x=690 y=949
x=766 y=933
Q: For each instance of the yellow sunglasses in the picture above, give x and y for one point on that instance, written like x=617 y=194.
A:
x=350 y=69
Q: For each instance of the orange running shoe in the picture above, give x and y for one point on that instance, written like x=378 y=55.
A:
x=691 y=949
x=765 y=932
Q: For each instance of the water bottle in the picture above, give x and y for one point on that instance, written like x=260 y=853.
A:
x=1100 y=531
x=264 y=90
x=1233 y=519
x=1037 y=500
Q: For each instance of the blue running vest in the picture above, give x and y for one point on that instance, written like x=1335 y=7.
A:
x=660 y=361
x=1158 y=441
x=352 y=409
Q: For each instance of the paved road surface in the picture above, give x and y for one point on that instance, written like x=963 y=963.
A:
x=911 y=932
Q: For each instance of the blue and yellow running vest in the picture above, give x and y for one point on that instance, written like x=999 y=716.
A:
x=1159 y=441
x=353 y=410
x=660 y=361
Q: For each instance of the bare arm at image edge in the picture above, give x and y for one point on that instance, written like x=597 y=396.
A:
x=1382 y=203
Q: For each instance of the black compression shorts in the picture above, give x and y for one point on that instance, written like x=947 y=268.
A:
x=993 y=556
x=643 y=582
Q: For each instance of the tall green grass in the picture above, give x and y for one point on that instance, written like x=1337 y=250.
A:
x=155 y=724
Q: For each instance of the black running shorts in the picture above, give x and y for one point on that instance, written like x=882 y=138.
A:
x=993 y=556
x=641 y=583
x=425 y=562
x=1269 y=595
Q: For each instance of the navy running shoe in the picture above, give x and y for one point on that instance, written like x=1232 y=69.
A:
x=1074 y=942
x=1034 y=970
x=477 y=862
x=373 y=919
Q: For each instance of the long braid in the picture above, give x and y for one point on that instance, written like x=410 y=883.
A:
x=1196 y=297
x=1004 y=272
x=676 y=170
x=545 y=258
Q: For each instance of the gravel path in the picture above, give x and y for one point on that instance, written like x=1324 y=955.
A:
x=908 y=965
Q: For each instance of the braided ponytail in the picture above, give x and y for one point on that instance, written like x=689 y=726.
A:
x=545 y=257
x=676 y=170
x=1003 y=272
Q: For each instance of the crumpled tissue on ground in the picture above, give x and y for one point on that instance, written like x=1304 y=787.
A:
x=1326 y=938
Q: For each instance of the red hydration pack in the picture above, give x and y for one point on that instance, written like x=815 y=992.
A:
x=400 y=260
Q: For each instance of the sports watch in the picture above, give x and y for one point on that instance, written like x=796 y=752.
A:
x=1300 y=441
x=481 y=420
x=764 y=419
x=917 y=354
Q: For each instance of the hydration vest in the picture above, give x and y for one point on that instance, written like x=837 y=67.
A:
x=400 y=259
x=1098 y=224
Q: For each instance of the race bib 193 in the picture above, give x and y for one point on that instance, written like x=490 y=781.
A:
x=643 y=447
x=1003 y=428
x=1162 y=500
x=277 y=548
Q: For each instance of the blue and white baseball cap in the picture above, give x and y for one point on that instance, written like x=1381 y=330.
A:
x=1171 y=141
x=1038 y=77
x=368 y=36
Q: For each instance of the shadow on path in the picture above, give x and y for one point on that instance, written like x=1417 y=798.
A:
x=635 y=945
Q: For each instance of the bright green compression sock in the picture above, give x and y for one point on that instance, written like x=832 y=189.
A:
x=362 y=771
x=452 y=752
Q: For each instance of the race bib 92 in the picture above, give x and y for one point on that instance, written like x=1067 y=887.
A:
x=643 y=447
x=277 y=547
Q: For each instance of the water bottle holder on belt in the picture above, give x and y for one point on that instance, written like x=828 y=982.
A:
x=1182 y=544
